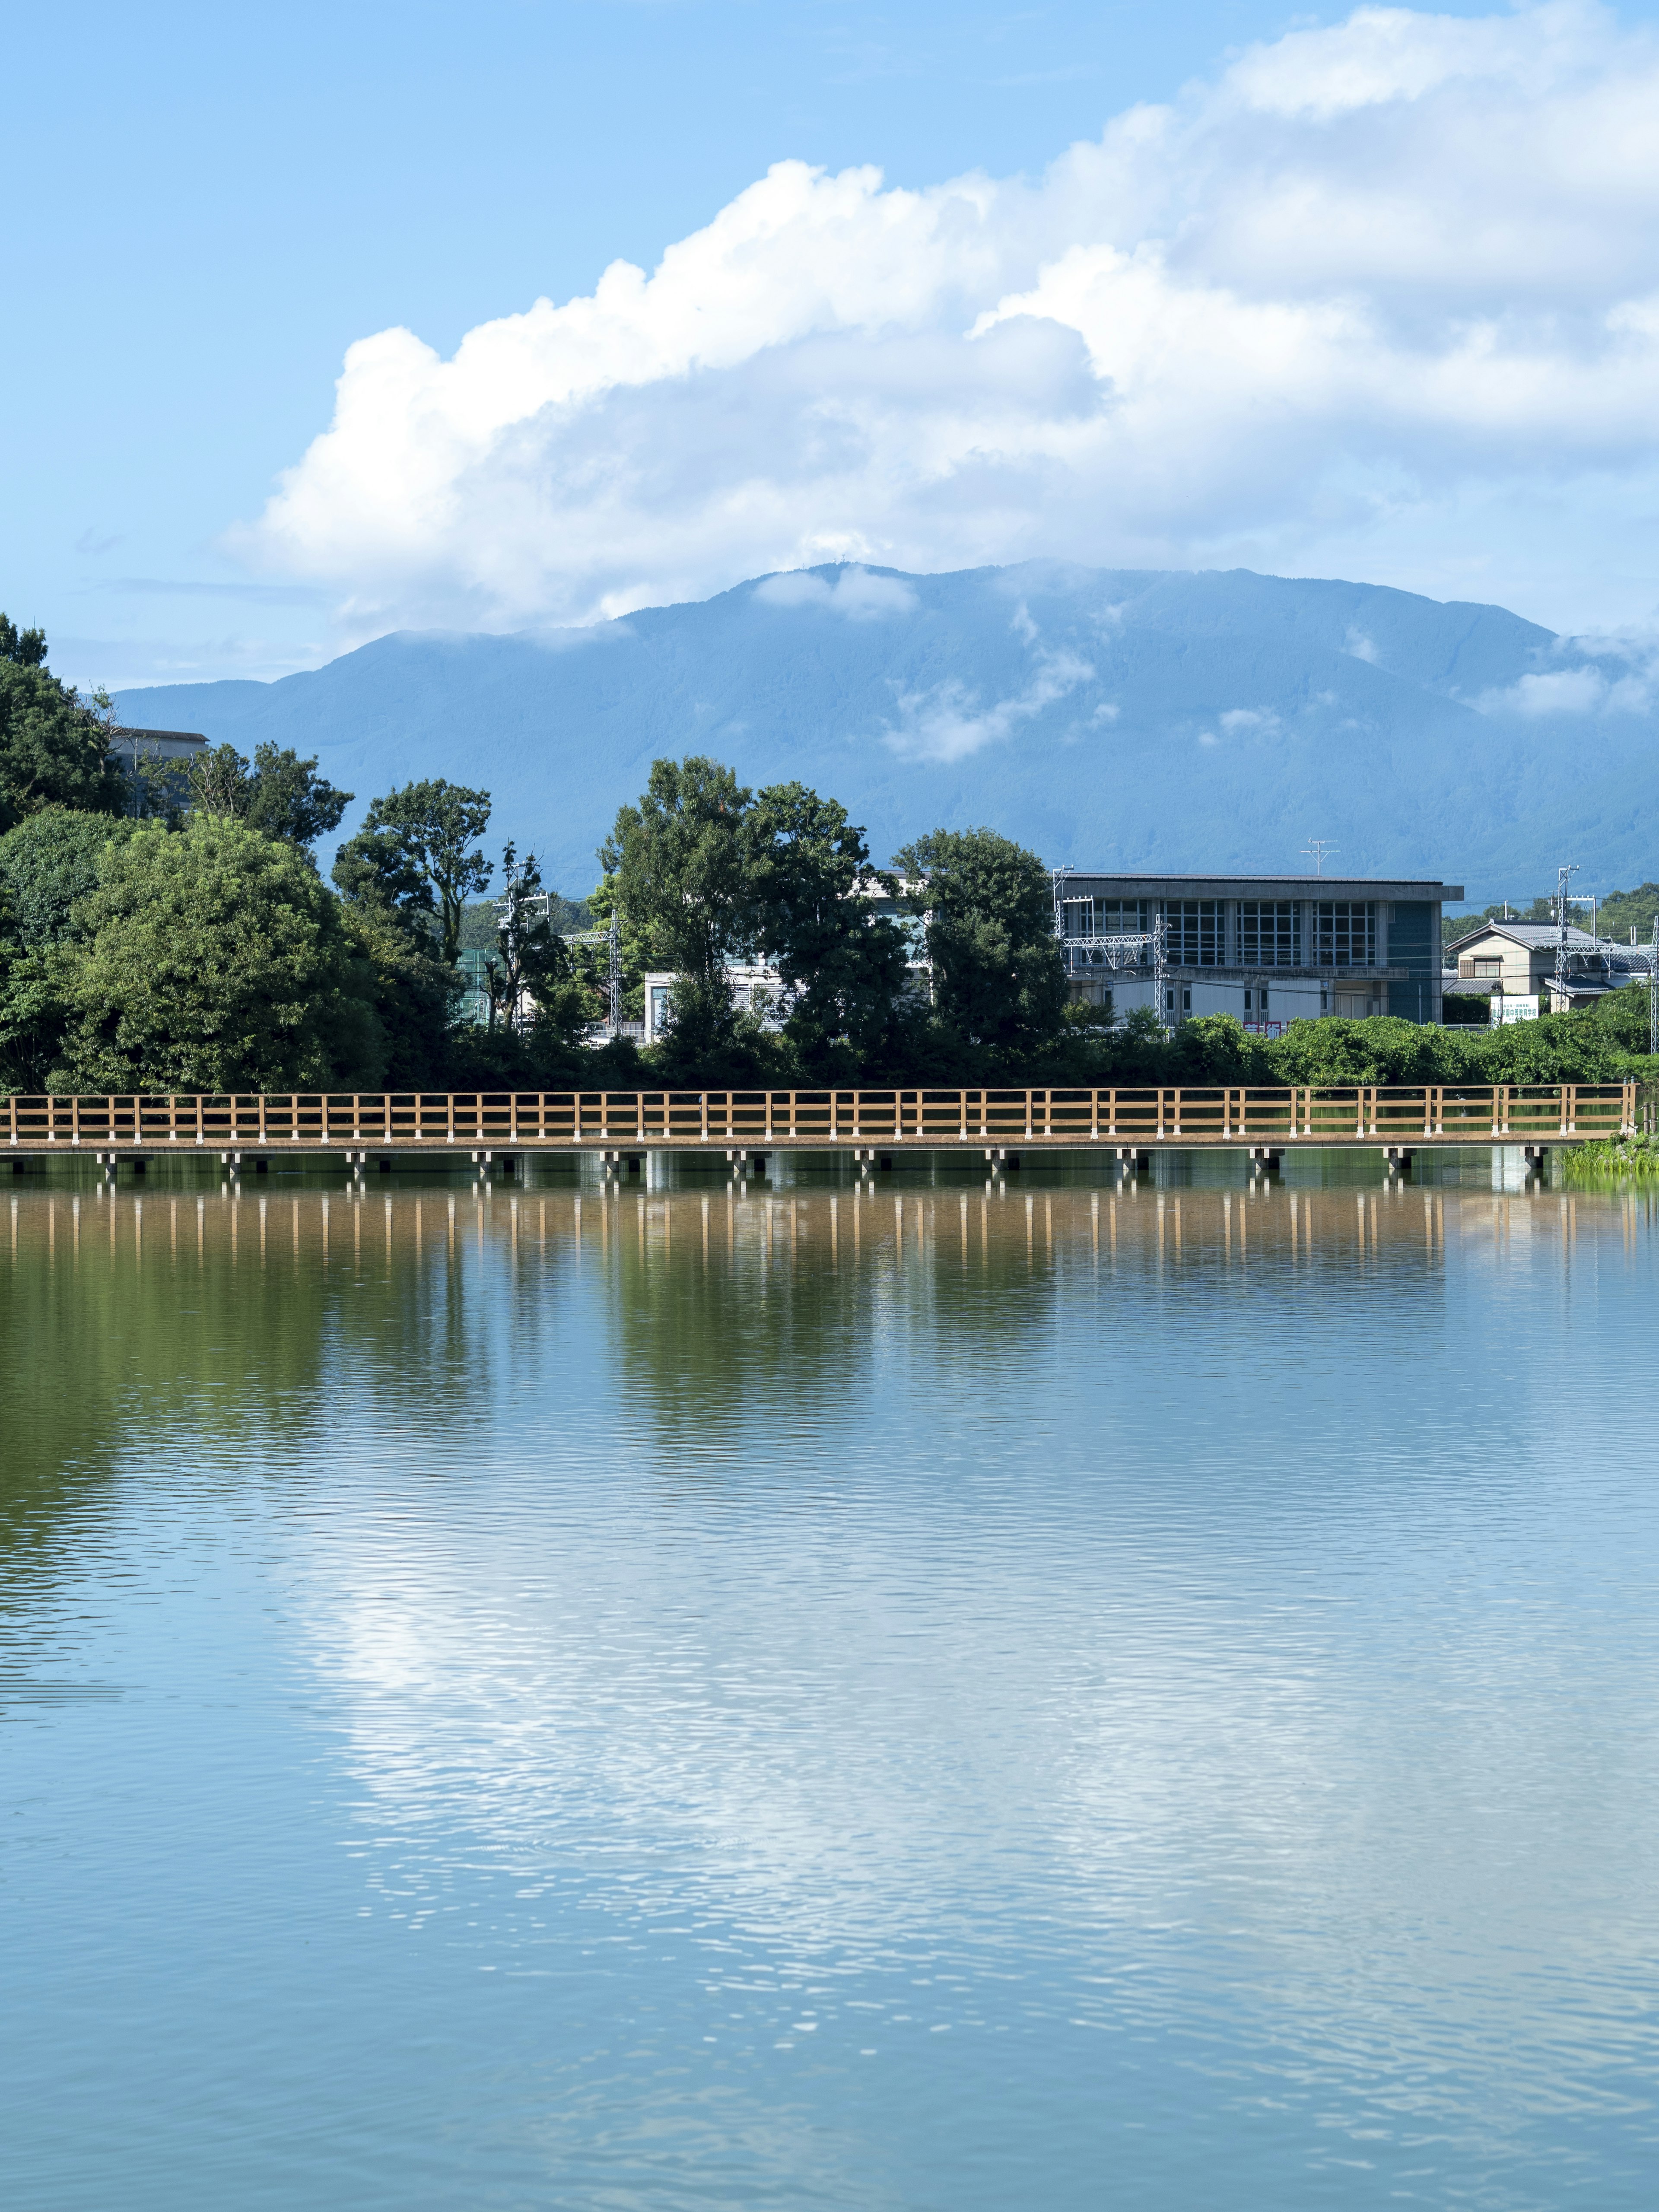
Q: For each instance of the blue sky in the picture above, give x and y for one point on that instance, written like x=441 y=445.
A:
x=208 y=207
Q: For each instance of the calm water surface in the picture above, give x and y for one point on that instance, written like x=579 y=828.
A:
x=932 y=1698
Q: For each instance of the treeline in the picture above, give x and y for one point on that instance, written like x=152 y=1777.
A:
x=169 y=930
x=1614 y=916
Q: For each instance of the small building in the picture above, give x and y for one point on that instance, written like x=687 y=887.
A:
x=1517 y=960
x=1267 y=950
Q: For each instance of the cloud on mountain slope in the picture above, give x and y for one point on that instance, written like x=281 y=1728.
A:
x=1390 y=285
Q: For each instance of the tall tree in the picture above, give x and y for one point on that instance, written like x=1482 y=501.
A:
x=415 y=856
x=986 y=905
x=679 y=863
x=54 y=748
x=216 y=960
x=809 y=886
x=678 y=860
x=276 y=794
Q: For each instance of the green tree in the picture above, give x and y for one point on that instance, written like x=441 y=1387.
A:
x=412 y=993
x=679 y=862
x=1622 y=911
x=842 y=966
x=214 y=960
x=415 y=857
x=47 y=863
x=986 y=905
x=277 y=793
x=31 y=1008
x=54 y=749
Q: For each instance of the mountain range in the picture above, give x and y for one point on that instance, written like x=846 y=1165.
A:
x=1211 y=721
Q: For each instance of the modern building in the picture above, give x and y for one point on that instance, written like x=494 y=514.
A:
x=1514 y=960
x=1266 y=949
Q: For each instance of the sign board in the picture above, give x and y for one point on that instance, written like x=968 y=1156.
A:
x=1513 y=1009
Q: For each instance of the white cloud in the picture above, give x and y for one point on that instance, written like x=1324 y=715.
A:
x=1250 y=722
x=1624 y=681
x=1369 y=282
x=948 y=721
x=1360 y=646
x=852 y=591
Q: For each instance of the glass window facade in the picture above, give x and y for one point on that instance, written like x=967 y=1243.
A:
x=1197 y=933
x=1269 y=934
x=1345 y=933
x=1099 y=917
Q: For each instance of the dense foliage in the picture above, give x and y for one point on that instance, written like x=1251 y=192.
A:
x=277 y=792
x=213 y=959
x=54 y=751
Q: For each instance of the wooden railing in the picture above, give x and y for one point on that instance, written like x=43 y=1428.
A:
x=1355 y=1114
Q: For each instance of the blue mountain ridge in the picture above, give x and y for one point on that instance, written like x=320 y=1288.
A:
x=1111 y=719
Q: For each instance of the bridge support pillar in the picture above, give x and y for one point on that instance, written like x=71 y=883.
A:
x=1536 y=1157
x=1397 y=1160
x=1266 y=1160
x=1000 y=1156
x=1131 y=1160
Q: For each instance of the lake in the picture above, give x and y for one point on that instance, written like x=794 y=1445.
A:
x=808 y=1695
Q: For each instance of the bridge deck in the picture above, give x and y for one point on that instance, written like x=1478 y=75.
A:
x=1146 y=1117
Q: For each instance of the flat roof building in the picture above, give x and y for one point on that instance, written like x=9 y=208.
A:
x=1266 y=949
x=156 y=745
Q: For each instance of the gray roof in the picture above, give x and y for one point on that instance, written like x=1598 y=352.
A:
x=1532 y=935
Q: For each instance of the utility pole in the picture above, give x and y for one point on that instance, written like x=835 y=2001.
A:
x=1160 y=964
x=1315 y=849
x=1653 y=989
x=1564 y=877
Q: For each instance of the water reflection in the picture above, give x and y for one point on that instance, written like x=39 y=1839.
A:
x=1166 y=1670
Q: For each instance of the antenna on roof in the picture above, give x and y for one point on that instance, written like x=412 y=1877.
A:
x=1315 y=849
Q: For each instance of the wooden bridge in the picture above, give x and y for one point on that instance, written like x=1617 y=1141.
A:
x=495 y=1126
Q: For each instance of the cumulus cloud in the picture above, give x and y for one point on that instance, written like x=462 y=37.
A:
x=1250 y=722
x=1362 y=271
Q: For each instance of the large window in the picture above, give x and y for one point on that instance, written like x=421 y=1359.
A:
x=1197 y=938
x=1269 y=934
x=1345 y=933
x=1100 y=917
